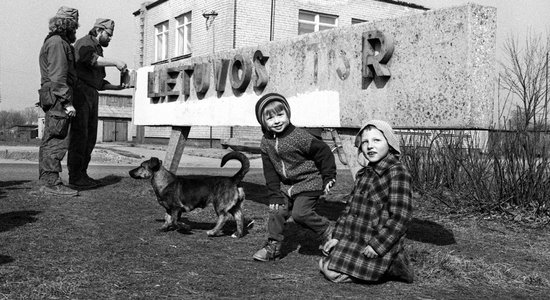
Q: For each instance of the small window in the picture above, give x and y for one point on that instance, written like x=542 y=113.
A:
x=161 y=41
x=183 y=34
x=357 y=21
x=309 y=22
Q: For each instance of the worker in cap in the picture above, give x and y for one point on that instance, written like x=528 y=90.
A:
x=57 y=81
x=90 y=68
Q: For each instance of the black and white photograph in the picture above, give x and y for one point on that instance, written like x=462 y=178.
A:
x=274 y=149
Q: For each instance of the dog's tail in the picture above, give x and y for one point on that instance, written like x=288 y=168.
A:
x=245 y=164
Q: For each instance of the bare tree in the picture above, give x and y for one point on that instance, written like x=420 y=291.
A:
x=525 y=76
x=11 y=118
x=31 y=115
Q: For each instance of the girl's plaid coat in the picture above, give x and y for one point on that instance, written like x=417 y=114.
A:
x=377 y=215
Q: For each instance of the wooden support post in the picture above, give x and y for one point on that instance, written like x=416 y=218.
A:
x=347 y=137
x=178 y=137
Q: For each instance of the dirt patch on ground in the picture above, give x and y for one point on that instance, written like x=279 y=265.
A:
x=106 y=244
x=99 y=155
x=108 y=154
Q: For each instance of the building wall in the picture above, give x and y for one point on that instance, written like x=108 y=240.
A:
x=286 y=13
x=220 y=31
x=115 y=107
x=253 y=23
x=241 y=23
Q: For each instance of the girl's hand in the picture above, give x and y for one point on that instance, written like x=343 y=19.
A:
x=369 y=252
x=329 y=185
x=327 y=247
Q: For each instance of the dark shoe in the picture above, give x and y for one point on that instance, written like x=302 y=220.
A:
x=325 y=237
x=90 y=179
x=58 y=190
x=81 y=182
x=270 y=251
x=401 y=269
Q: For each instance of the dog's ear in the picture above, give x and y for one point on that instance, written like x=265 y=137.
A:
x=155 y=164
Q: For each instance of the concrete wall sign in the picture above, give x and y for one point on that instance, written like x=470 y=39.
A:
x=430 y=69
x=170 y=83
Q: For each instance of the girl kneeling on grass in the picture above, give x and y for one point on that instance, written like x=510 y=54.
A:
x=367 y=243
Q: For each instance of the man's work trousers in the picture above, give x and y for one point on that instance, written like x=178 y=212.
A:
x=83 y=130
x=52 y=150
x=302 y=209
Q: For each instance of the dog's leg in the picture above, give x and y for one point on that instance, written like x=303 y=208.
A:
x=176 y=212
x=216 y=231
x=181 y=225
x=167 y=221
x=238 y=215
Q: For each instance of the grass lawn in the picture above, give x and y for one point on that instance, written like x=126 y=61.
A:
x=105 y=244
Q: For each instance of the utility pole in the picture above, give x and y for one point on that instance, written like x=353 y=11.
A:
x=0 y=76
x=546 y=97
x=210 y=24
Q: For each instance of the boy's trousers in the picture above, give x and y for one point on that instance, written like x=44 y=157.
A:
x=302 y=209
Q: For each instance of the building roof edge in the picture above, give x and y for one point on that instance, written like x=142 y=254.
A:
x=403 y=3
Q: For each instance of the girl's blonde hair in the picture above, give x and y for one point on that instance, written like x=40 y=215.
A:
x=271 y=109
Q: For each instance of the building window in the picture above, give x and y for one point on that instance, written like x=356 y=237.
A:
x=183 y=34
x=309 y=22
x=161 y=41
x=357 y=21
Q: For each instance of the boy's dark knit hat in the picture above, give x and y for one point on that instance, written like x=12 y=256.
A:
x=267 y=98
x=386 y=129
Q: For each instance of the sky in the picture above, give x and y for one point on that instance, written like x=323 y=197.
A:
x=24 y=25
x=515 y=17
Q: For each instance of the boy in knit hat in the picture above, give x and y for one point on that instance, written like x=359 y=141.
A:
x=367 y=243
x=298 y=168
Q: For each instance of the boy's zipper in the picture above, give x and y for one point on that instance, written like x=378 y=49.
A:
x=282 y=163
x=277 y=150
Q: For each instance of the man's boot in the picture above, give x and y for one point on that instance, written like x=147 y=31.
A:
x=58 y=190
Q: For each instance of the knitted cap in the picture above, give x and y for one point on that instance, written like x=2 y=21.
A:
x=106 y=24
x=386 y=130
x=265 y=99
x=65 y=12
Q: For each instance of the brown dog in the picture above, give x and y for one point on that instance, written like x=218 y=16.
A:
x=177 y=195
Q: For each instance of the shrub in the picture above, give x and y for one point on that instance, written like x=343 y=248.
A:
x=507 y=171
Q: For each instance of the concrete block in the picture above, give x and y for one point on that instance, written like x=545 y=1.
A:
x=425 y=70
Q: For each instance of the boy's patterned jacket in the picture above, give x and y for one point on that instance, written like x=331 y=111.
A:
x=377 y=215
x=295 y=162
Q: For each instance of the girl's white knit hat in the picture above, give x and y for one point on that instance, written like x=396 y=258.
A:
x=386 y=129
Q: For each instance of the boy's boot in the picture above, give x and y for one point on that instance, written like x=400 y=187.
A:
x=401 y=269
x=270 y=251
x=325 y=237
